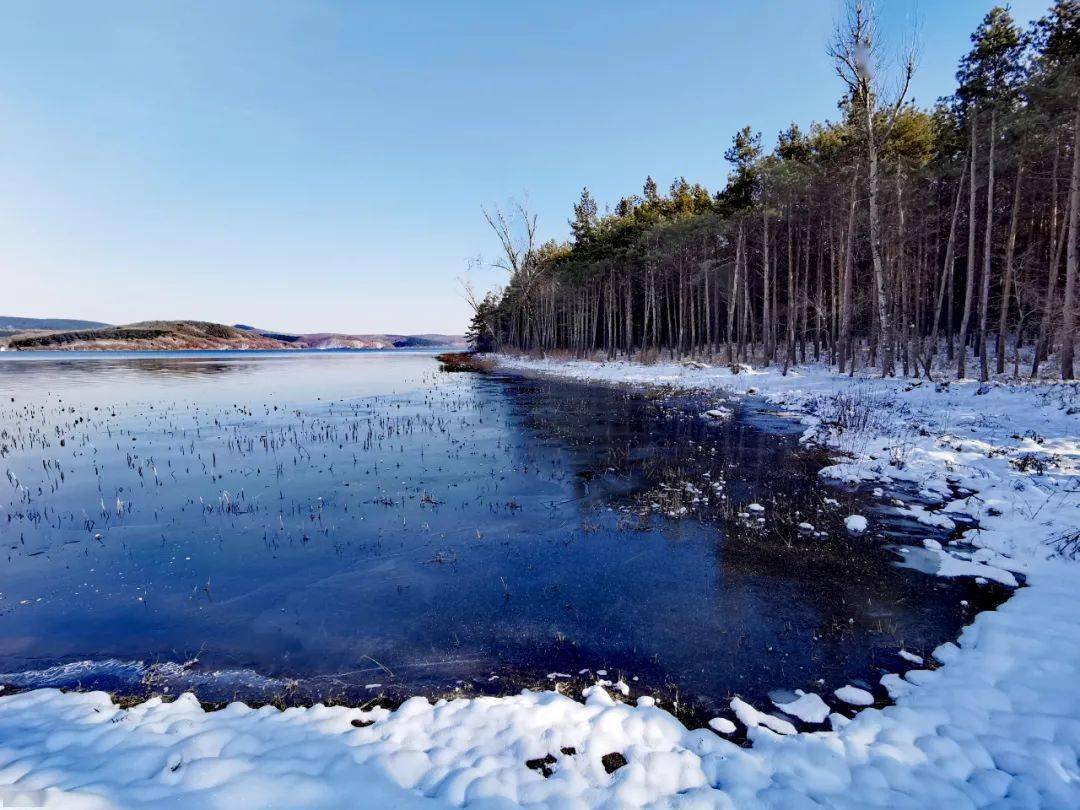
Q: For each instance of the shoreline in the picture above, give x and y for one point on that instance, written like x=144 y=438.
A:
x=946 y=739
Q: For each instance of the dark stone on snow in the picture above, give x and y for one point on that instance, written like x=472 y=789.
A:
x=543 y=765
x=613 y=761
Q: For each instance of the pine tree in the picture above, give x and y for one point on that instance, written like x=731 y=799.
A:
x=650 y=191
x=584 y=222
x=989 y=78
x=743 y=154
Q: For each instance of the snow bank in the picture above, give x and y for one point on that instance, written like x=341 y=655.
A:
x=996 y=724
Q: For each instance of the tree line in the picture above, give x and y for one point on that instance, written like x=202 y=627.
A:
x=906 y=238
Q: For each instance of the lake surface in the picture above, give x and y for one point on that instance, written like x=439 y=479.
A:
x=351 y=526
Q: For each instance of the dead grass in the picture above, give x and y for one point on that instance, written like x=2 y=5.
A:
x=465 y=361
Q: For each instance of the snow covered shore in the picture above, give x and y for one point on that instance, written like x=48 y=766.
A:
x=996 y=725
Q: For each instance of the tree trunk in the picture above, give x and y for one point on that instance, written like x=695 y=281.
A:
x=902 y=273
x=789 y=354
x=969 y=287
x=988 y=237
x=733 y=299
x=884 y=316
x=947 y=269
x=766 y=311
x=1068 y=308
x=1006 y=284
x=845 y=285
x=1056 y=242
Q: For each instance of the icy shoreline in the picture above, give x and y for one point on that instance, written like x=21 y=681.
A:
x=997 y=725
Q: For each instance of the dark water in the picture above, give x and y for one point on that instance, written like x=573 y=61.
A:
x=351 y=526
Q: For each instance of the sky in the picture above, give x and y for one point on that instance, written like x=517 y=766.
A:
x=307 y=165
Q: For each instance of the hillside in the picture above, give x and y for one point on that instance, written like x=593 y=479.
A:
x=181 y=335
x=145 y=336
x=341 y=340
x=11 y=325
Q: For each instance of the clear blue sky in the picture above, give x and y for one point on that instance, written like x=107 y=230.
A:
x=311 y=165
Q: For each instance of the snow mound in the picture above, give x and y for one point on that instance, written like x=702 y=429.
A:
x=854 y=696
x=722 y=725
x=719 y=414
x=856 y=524
x=752 y=718
x=808 y=707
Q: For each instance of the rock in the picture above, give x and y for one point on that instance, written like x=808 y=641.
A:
x=613 y=761
x=543 y=765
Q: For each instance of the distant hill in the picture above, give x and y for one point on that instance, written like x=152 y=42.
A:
x=10 y=324
x=28 y=334
x=145 y=335
x=340 y=340
x=284 y=337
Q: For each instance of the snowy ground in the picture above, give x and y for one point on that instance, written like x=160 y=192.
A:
x=993 y=722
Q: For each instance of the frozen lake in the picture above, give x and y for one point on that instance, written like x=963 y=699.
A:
x=357 y=525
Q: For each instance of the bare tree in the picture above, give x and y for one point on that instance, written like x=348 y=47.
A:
x=517 y=235
x=516 y=232
x=856 y=55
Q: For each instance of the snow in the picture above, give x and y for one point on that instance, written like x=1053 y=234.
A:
x=928 y=518
x=994 y=723
x=808 y=707
x=854 y=695
x=752 y=718
x=896 y=686
x=856 y=524
x=951 y=566
x=719 y=413
x=721 y=725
